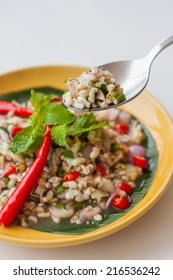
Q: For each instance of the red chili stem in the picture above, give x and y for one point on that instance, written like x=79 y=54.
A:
x=18 y=198
x=6 y=107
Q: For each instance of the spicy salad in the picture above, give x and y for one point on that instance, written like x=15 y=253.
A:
x=58 y=165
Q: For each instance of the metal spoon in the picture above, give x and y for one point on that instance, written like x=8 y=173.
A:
x=132 y=75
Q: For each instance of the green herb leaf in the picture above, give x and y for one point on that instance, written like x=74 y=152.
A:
x=58 y=134
x=84 y=123
x=29 y=138
x=68 y=154
x=56 y=114
x=39 y=99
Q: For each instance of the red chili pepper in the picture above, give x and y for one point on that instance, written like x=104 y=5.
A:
x=15 y=130
x=6 y=107
x=140 y=161
x=18 y=198
x=57 y=99
x=120 y=202
x=10 y=170
x=125 y=187
x=122 y=128
x=100 y=168
x=71 y=176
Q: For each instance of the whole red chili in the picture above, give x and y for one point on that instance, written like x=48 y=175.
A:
x=18 y=198
x=6 y=107
x=10 y=170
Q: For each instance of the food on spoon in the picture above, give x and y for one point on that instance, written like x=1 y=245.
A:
x=96 y=88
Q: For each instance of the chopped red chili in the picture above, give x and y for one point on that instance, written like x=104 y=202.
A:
x=120 y=202
x=57 y=99
x=140 y=161
x=101 y=169
x=122 y=128
x=125 y=187
x=15 y=130
x=71 y=176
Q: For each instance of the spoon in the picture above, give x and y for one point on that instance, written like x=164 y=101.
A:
x=132 y=75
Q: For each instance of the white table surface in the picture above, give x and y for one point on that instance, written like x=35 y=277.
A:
x=94 y=32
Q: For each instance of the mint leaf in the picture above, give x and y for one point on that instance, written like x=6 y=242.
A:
x=58 y=134
x=84 y=123
x=56 y=114
x=29 y=138
x=39 y=99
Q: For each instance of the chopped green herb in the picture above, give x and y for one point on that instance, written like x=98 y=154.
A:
x=60 y=189
x=121 y=166
x=120 y=97
x=113 y=93
x=53 y=200
x=101 y=86
x=82 y=145
x=68 y=154
x=116 y=146
x=60 y=172
x=6 y=180
x=79 y=205
x=70 y=80
x=60 y=205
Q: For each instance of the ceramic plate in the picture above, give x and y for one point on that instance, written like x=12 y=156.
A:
x=145 y=108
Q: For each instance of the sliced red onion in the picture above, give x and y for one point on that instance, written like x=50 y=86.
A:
x=113 y=114
x=108 y=202
x=8 y=165
x=87 y=151
x=125 y=138
x=4 y=136
x=136 y=150
x=1 y=186
x=101 y=146
x=124 y=117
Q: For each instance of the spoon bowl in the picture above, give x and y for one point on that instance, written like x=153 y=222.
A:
x=132 y=75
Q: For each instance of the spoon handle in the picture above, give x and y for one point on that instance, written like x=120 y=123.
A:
x=158 y=48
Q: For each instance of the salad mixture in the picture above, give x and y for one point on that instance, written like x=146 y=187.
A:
x=93 y=89
x=54 y=164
